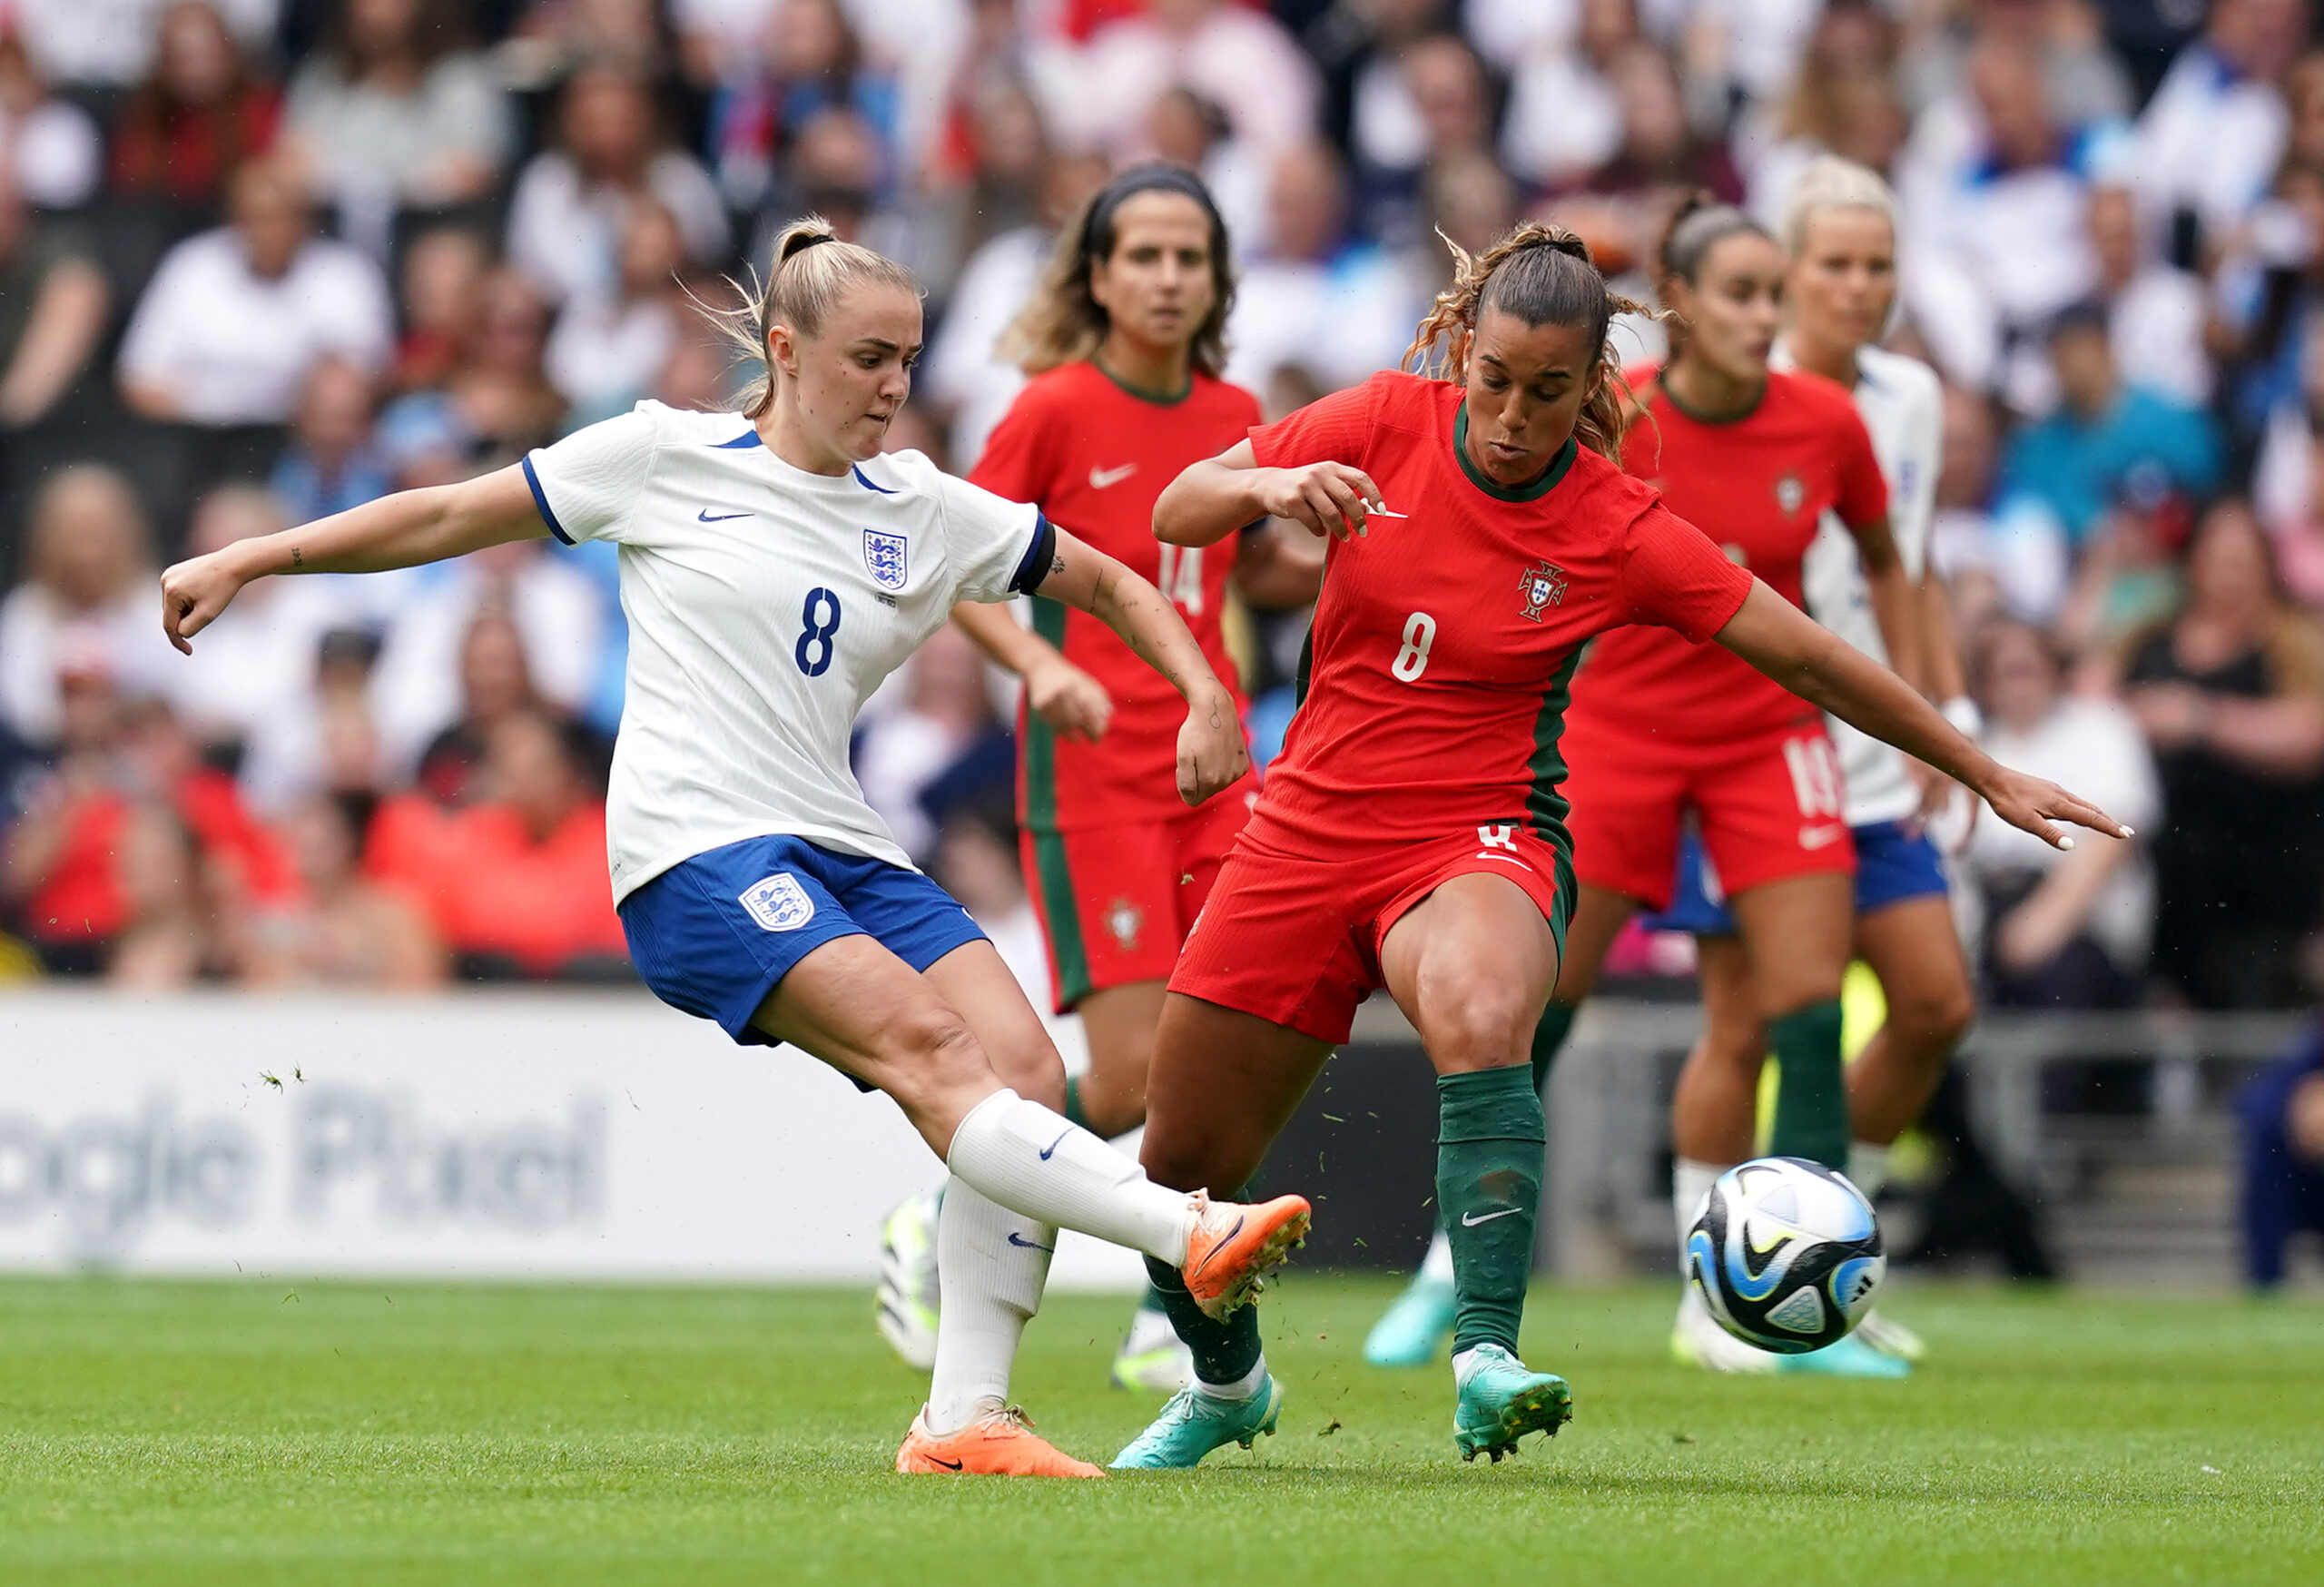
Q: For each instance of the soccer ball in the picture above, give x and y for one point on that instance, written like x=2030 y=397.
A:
x=1787 y=1253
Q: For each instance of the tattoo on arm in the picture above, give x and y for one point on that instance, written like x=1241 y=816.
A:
x=298 y=557
x=1056 y=565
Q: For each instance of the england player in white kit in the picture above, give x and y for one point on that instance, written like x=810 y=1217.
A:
x=1840 y=230
x=776 y=566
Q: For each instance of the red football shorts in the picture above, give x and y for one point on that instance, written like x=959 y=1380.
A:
x=1769 y=806
x=1296 y=940
x=1116 y=901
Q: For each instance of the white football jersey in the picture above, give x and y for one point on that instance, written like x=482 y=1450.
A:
x=1904 y=408
x=764 y=604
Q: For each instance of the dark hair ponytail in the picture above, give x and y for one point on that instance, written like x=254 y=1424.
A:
x=1542 y=274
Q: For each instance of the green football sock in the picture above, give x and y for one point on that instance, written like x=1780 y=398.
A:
x=1557 y=1021
x=1074 y=1111
x=1489 y=1144
x=1812 y=1100
x=1224 y=1352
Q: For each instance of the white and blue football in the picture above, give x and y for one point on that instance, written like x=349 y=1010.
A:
x=1785 y=1254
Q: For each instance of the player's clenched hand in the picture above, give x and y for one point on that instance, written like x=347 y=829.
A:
x=1212 y=753
x=1074 y=704
x=193 y=595
x=1330 y=499
x=2033 y=805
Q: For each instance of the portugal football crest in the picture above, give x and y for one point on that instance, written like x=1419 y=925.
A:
x=1541 y=585
x=1124 y=921
x=1790 y=493
x=885 y=556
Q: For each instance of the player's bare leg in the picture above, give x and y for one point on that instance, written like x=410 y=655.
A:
x=1470 y=967
x=1019 y=1169
x=1223 y=1084
x=1414 y=1330
x=1925 y=982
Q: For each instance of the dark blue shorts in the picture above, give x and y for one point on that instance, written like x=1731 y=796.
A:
x=1894 y=861
x=715 y=934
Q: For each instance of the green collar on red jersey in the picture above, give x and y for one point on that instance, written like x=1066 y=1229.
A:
x=1158 y=399
x=1533 y=490
x=1748 y=408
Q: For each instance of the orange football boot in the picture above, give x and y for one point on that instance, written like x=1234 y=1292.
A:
x=1002 y=1444
x=1233 y=1244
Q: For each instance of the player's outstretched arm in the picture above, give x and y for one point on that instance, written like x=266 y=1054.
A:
x=1827 y=671
x=1211 y=499
x=402 y=530
x=1074 y=704
x=1212 y=751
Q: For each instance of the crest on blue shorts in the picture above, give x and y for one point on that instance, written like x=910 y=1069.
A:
x=884 y=556
x=778 y=903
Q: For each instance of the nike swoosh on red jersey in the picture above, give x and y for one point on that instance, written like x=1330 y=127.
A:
x=1819 y=837
x=1100 y=478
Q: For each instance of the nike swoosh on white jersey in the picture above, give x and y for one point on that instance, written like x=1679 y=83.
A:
x=1099 y=478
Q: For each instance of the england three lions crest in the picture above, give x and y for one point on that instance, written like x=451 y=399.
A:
x=1539 y=585
x=887 y=556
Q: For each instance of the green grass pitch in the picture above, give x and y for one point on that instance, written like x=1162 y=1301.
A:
x=329 y=1433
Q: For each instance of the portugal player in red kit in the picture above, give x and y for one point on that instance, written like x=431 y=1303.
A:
x=1414 y=833
x=1123 y=342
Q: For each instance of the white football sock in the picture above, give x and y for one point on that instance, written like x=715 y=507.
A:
x=1242 y=1388
x=991 y=1265
x=1025 y=1156
x=1690 y=1182
x=1436 y=1267
x=1868 y=1167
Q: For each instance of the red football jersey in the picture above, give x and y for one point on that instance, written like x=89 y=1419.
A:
x=1093 y=456
x=1757 y=484
x=1438 y=668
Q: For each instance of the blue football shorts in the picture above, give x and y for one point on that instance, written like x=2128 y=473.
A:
x=1894 y=861
x=714 y=935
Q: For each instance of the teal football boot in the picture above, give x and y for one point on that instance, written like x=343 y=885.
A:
x=1414 y=1330
x=1194 y=1424
x=1501 y=1401
x=1848 y=1358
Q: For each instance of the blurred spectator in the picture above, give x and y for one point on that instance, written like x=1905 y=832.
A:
x=516 y=883
x=49 y=148
x=235 y=318
x=201 y=114
x=2281 y=1114
x=1565 y=117
x=2107 y=438
x=1317 y=296
x=87 y=597
x=944 y=711
x=503 y=630
x=330 y=464
x=606 y=352
x=111 y=44
x=2125 y=580
x=251 y=680
x=572 y=203
x=2231 y=695
x=2155 y=312
x=98 y=868
x=494 y=404
x=1996 y=202
x=1842 y=100
x=443 y=278
x=393 y=111
x=53 y=300
x=1660 y=156
x=811 y=61
x=2062 y=930
x=962 y=377
x=1189 y=131
x=1239 y=59
x=2212 y=136
x=553 y=38
x=343 y=929
x=2084 y=81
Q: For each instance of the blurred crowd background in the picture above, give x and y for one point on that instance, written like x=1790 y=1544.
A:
x=263 y=259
